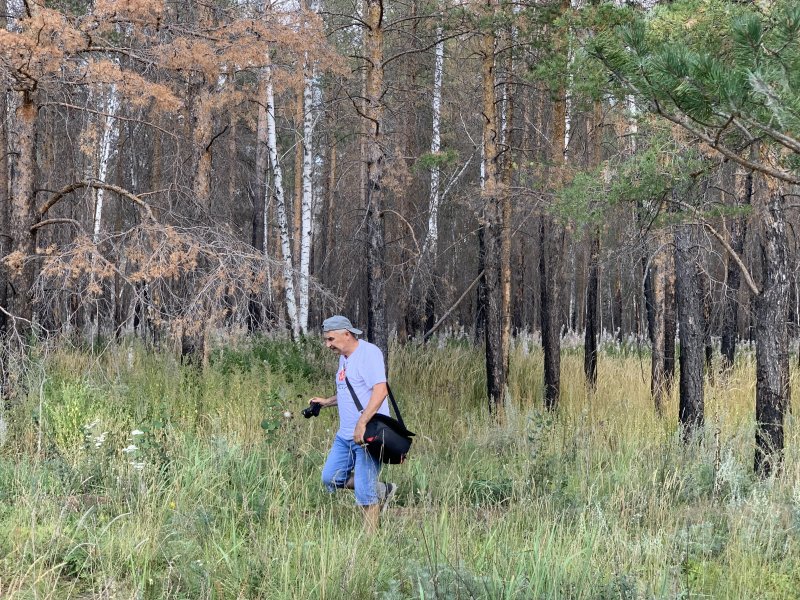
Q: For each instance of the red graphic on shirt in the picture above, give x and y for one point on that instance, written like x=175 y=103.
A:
x=342 y=374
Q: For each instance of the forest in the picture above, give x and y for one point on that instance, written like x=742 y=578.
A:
x=568 y=224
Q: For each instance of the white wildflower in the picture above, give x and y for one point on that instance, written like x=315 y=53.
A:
x=129 y=449
x=136 y=432
x=137 y=465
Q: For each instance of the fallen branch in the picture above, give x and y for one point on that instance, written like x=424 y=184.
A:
x=99 y=185
x=452 y=308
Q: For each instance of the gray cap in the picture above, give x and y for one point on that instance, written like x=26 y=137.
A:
x=337 y=322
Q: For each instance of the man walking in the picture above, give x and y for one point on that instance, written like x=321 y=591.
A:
x=349 y=465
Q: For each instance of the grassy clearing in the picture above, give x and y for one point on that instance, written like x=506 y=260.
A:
x=220 y=498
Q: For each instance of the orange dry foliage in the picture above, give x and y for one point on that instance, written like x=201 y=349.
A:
x=180 y=72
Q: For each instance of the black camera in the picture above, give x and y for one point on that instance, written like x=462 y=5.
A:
x=312 y=410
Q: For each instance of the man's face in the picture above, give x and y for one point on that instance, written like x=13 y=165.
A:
x=337 y=340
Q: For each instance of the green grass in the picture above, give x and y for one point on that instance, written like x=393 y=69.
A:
x=222 y=497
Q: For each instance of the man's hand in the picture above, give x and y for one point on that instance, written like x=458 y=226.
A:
x=323 y=401
x=359 y=431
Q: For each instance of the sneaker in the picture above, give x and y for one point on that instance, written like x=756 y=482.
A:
x=386 y=493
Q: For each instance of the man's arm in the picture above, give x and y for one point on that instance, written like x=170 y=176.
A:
x=324 y=401
x=379 y=393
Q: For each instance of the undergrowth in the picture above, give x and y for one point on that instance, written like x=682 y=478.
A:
x=128 y=475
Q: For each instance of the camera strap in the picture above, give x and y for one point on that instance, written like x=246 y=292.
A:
x=391 y=399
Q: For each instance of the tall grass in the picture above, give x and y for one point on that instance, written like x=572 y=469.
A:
x=128 y=475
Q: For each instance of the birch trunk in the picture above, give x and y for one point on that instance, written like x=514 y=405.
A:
x=106 y=144
x=108 y=124
x=280 y=204
x=306 y=231
x=430 y=248
x=297 y=188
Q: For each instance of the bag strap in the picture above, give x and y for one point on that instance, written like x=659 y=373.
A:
x=391 y=399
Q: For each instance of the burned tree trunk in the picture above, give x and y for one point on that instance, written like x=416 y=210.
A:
x=496 y=355
x=480 y=303
x=377 y=326
x=688 y=290
x=772 y=341
x=648 y=301
x=550 y=246
x=595 y=130
x=730 y=306
x=707 y=341
x=658 y=384
x=616 y=303
x=590 y=336
x=670 y=323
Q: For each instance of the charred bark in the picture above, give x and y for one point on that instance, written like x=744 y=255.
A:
x=495 y=365
x=480 y=302
x=658 y=385
x=648 y=300
x=772 y=341
x=688 y=293
x=617 y=304
x=707 y=341
x=495 y=254
x=550 y=240
x=730 y=306
x=590 y=332
x=670 y=324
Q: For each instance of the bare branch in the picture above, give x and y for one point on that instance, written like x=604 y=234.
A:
x=453 y=307
x=105 y=114
x=97 y=185
x=731 y=252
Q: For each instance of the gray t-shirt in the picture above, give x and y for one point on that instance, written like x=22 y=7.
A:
x=364 y=368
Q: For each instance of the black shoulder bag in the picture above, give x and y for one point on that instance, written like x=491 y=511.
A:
x=387 y=439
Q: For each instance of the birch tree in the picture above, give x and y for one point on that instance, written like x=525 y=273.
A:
x=280 y=202
x=310 y=92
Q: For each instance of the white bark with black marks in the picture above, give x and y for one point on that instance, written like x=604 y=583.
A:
x=280 y=203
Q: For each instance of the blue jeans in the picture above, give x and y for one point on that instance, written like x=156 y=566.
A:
x=346 y=458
